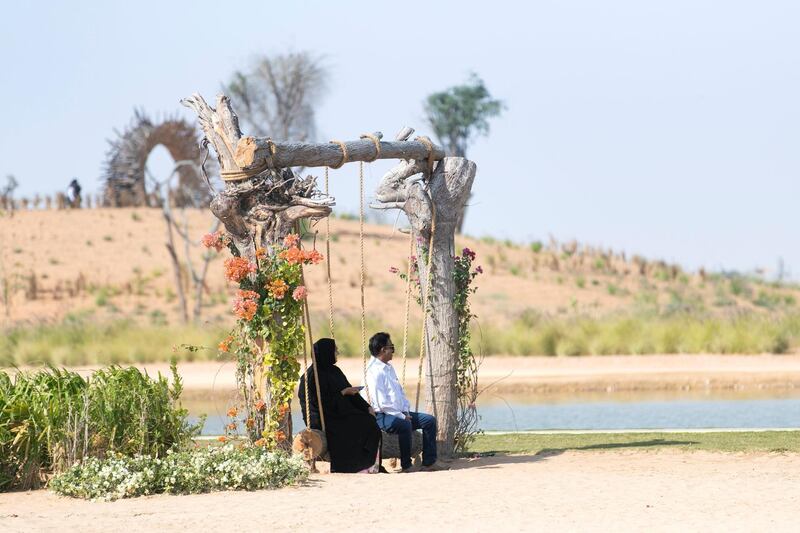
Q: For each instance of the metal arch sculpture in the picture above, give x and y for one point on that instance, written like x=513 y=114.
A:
x=124 y=172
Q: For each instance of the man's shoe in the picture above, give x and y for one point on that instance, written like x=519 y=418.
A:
x=435 y=467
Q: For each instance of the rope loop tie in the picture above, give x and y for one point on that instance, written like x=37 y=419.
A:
x=343 y=147
x=239 y=174
x=376 y=141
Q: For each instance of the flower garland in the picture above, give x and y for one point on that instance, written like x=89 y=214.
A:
x=268 y=335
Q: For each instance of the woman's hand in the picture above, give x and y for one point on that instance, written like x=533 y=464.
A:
x=350 y=391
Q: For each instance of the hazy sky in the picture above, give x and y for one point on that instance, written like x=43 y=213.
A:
x=670 y=129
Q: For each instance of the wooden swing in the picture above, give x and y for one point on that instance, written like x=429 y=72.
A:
x=312 y=443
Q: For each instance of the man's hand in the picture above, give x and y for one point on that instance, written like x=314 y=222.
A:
x=372 y=411
x=350 y=391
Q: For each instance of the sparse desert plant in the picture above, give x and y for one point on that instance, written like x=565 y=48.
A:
x=739 y=286
x=536 y=246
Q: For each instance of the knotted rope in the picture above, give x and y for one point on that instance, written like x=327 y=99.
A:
x=343 y=147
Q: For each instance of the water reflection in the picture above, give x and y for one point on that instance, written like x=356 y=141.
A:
x=591 y=410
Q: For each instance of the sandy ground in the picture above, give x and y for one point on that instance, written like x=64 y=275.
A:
x=535 y=374
x=597 y=491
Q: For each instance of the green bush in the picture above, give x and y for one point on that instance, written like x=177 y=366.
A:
x=187 y=472
x=50 y=419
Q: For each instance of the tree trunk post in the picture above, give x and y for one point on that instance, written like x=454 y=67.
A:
x=258 y=210
x=444 y=194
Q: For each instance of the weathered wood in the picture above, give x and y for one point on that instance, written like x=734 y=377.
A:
x=254 y=152
x=257 y=211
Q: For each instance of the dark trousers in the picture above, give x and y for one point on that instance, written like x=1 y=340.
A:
x=404 y=427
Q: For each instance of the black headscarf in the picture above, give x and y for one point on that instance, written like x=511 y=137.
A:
x=352 y=433
x=325 y=352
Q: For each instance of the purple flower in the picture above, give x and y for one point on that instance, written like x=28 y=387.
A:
x=466 y=252
x=478 y=269
x=393 y=270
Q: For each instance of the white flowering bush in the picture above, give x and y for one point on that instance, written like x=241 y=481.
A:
x=185 y=472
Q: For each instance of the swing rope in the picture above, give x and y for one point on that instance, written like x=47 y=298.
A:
x=408 y=304
x=362 y=276
x=308 y=342
x=423 y=345
x=328 y=262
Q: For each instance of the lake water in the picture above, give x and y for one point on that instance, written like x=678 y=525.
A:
x=598 y=411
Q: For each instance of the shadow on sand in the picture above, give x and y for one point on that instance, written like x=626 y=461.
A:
x=502 y=457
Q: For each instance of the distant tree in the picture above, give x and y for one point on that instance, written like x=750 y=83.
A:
x=277 y=97
x=7 y=193
x=459 y=114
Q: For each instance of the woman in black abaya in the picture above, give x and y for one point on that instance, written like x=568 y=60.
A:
x=353 y=435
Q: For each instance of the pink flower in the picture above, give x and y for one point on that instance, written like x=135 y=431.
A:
x=217 y=240
x=291 y=240
x=299 y=293
x=393 y=270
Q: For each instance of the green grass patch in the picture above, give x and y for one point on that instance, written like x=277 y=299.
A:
x=79 y=341
x=640 y=333
x=533 y=444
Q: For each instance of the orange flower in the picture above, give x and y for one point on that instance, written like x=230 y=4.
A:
x=283 y=409
x=250 y=423
x=260 y=405
x=313 y=257
x=222 y=438
x=280 y=436
x=237 y=268
x=293 y=256
x=277 y=288
x=245 y=309
x=225 y=345
x=247 y=295
x=231 y=426
x=217 y=240
x=261 y=253
x=291 y=240
x=232 y=412
x=261 y=442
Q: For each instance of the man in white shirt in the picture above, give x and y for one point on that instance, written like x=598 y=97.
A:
x=392 y=409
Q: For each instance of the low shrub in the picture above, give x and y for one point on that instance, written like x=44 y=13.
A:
x=185 y=472
x=52 y=418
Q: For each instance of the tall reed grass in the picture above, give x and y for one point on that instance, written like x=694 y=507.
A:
x=52 y=418
x=644 y=333
x=530 y=333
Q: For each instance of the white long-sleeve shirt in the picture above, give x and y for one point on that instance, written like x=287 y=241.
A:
x=385 y=391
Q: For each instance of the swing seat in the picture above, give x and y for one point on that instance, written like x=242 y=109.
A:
x=312 y=444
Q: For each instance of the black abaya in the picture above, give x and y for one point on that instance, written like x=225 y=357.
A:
x=353 y=434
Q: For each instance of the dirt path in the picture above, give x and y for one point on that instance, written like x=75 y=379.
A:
x=599 y=491
x=566 y=374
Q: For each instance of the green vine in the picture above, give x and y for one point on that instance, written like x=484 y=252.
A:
x=466 y=363
x=268 y=335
